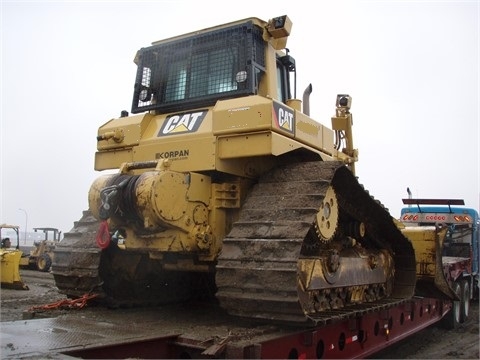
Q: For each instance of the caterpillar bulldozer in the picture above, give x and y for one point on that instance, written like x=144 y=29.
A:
x=10 y=258
x=219 y=186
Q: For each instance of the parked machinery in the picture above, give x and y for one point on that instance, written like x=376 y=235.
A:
x=10 y=260
x=454 y=262
x=227 y=188
x=42 y=253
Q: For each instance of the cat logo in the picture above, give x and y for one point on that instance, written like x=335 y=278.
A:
x=182 y=123
x=284 y=118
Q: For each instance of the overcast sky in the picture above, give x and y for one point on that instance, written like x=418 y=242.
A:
x=411 y=67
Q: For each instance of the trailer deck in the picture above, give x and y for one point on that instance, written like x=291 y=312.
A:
x=206 y=332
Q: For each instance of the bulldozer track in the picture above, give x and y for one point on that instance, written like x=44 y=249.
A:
x=258 y=267
x=77 y=259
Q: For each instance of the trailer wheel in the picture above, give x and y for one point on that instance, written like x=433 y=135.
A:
x=465 y=302
x=452 y=319
x=44 y=262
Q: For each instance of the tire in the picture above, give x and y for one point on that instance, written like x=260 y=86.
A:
x=44 y=262
x=452 y=319
x=465 y=302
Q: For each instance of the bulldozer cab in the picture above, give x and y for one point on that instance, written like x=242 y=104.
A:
x=10 y=260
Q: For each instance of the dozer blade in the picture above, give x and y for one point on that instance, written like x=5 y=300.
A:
x=428 y=245
x=10 y=273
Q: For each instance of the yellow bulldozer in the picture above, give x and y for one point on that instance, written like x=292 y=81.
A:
x=10 y=258
x=42 y=253
x=227 y=189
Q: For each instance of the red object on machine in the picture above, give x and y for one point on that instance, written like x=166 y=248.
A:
x=103 y=236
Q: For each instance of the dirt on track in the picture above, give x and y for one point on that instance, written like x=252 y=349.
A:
x=433 y=342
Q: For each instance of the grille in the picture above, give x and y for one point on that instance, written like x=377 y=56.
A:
x=200 y=69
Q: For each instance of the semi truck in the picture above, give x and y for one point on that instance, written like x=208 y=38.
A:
x=232 y=205
x=460 y=250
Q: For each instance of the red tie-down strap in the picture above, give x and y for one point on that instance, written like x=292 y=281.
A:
x=66 y=304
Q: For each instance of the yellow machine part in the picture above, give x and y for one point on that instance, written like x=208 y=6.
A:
x=9 y=270
x=428 y=244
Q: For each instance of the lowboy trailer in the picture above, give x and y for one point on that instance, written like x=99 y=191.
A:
x=180 y=332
